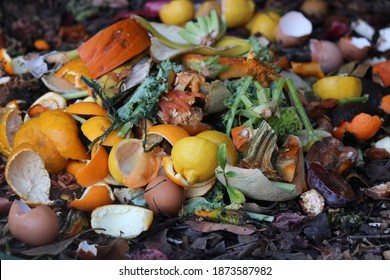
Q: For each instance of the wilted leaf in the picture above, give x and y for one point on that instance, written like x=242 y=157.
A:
x=204 y=226
x=287 y=221
x=117 y=249
x=51 y=249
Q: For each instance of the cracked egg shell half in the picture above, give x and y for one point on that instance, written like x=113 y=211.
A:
x=121 y=221
x=35 y=226
x=293 y=30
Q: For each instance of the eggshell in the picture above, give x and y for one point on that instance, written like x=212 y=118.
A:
x=354 y=48
x=293 y=29
x=164 y=196
x=327 y=54
x=34 y=226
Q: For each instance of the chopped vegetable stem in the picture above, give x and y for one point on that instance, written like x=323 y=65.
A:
x=363 y=98
x=301 y=111
x=75 y=94
x=233 y=110
x=260 y=217
x=286 y=187
x=278 y=91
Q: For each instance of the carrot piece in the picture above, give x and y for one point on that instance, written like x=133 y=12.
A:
x=113 y=46
x=307 y=69
x=41 y=44
x=364 y=126
x=383 y=71
x=385 y=104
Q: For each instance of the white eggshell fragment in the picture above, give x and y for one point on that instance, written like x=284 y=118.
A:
x=121 y=221
x=383 y=143
x=293 y=29
x=383 y=42
x=363 y=28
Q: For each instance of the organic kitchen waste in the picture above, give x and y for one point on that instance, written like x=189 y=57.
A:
x=197 y=130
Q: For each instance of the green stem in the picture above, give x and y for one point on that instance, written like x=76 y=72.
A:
x=78 y=118
x=363 y=98
x=286 y=187
x=260 y=217
x=278 y=91
x=72 y=54
x=237 y=100
x=75 y=94
x=301 y=111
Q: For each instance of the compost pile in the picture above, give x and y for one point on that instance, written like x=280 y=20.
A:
x=195 y=129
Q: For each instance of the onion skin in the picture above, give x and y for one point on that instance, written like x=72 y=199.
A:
x=38 y=226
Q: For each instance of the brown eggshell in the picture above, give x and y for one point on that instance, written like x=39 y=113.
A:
x=289 y=41
x=34 y=226
x=327 y=54
x=350 y=51
x=164 y=196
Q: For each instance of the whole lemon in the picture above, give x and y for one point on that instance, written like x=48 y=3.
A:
x=177 y=12
x=195 y=158
x=237 y=12
x=265 y=23
x=218 y=138
x=338 y=87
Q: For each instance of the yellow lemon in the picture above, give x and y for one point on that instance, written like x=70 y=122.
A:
x=237 y=12
x=218 y=138
x=265 y=23
x=177 y=12
x=195 y=158
x=338 y=87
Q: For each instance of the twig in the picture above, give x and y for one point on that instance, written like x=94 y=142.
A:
x=377 y=236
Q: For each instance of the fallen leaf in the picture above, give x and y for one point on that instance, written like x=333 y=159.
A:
x=204 y=226
x=117 y=249
x=51 y=249
x=287 y=221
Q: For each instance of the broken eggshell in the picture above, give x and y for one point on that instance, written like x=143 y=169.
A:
x=354 y=48
x=34 y=226
x=383 y=42
x=163 y=196
x=327 y=54
x=293 y=29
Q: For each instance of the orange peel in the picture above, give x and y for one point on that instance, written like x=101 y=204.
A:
x=94 y=196
x=25 y=173
x=96 y=126
x=86 y=108
x=96 y=169
x=171 y=133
